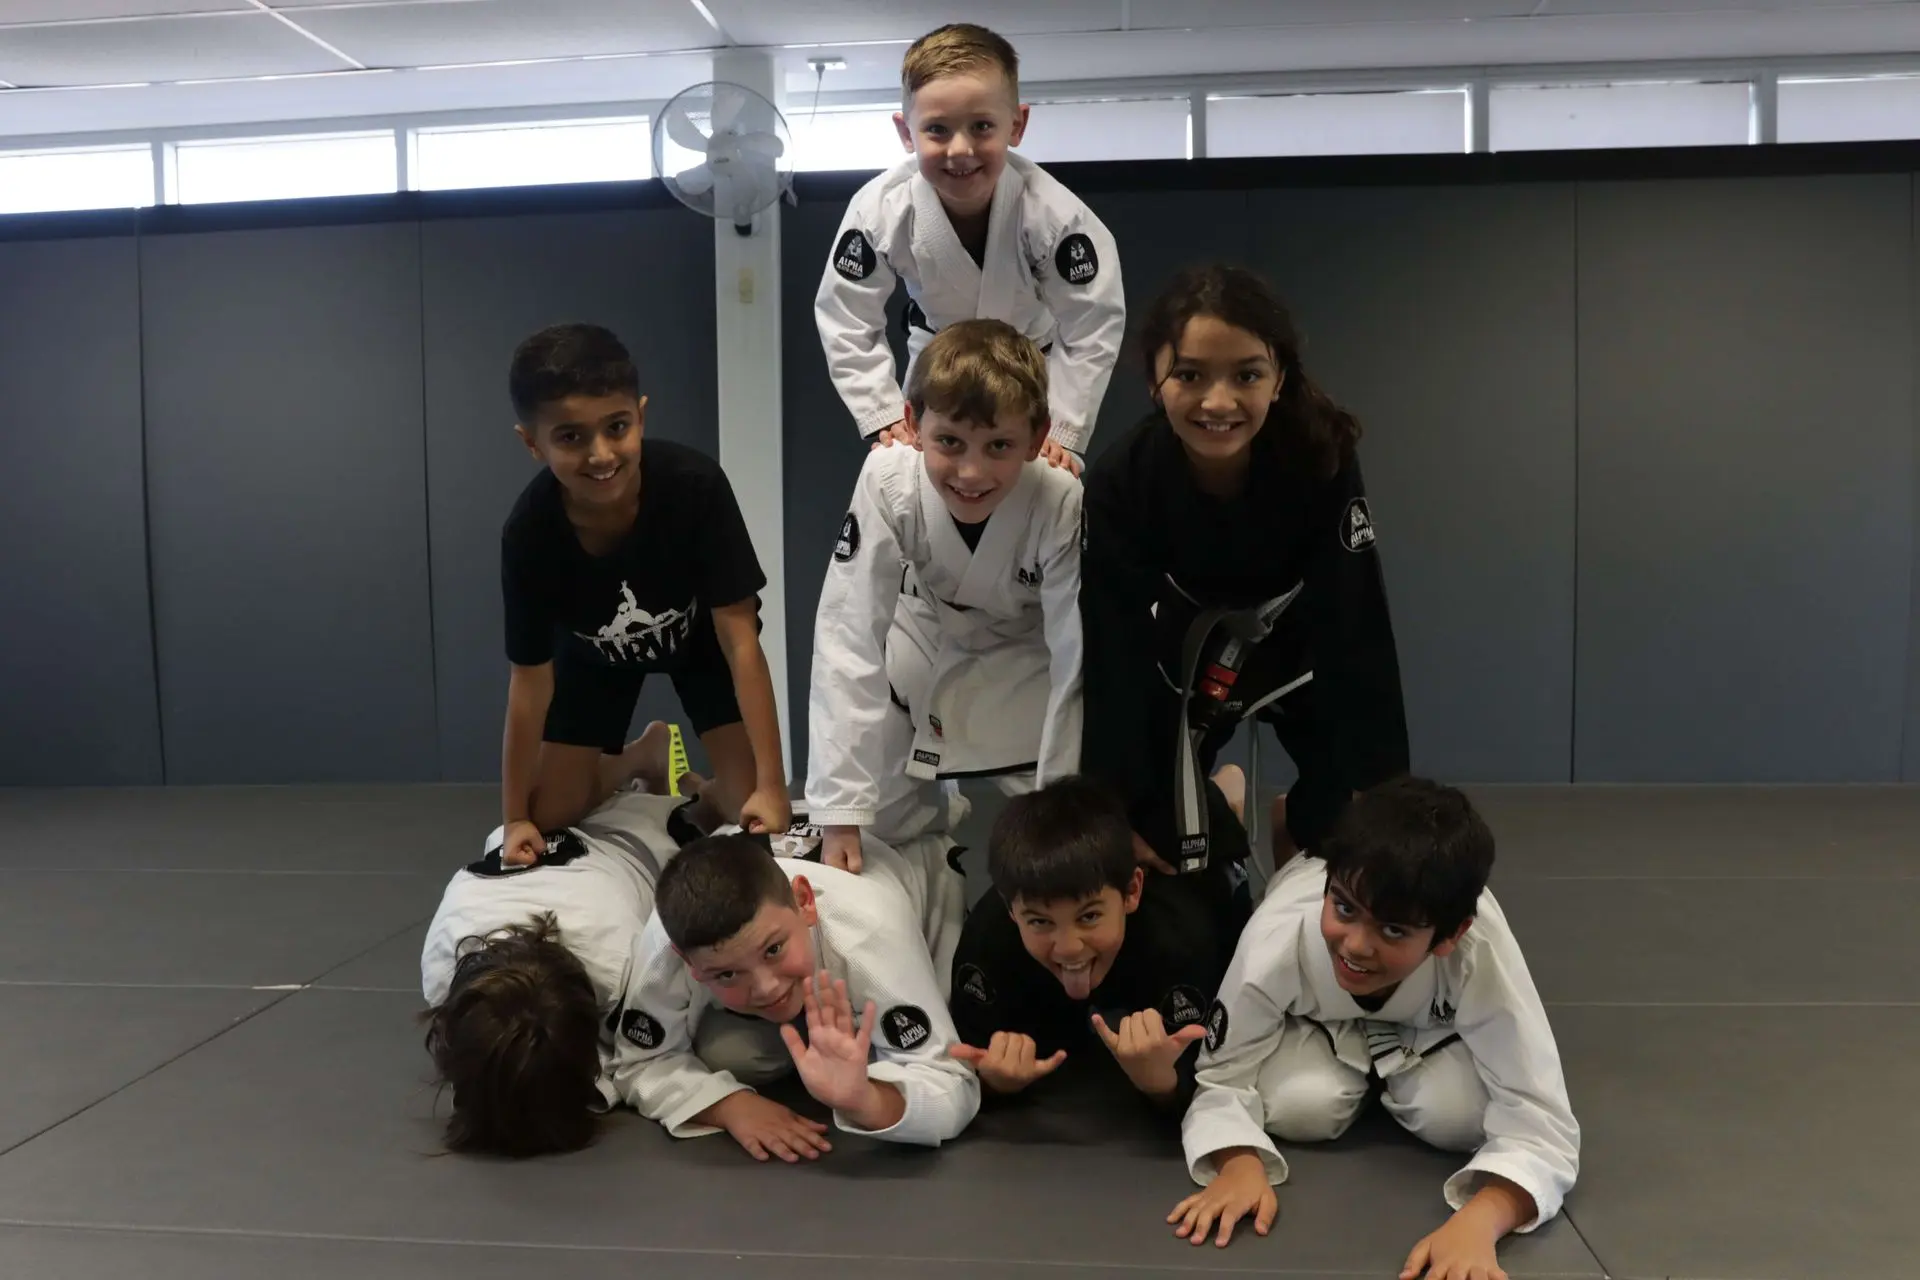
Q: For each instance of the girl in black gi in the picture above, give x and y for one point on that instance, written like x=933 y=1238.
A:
x=1229 y=571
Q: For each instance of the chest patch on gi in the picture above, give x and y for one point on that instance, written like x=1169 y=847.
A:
x=641 y=1029
x=1027 y=577
x=1356 y=526
x=1182 y=1007
x=905 y=1027
x=973 y=983
x=849 y=540
x=1075 y=260
x=853 y=256
x=1216 y=1026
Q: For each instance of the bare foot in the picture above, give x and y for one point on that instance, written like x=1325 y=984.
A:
x=644 y=761
x=1232 y=781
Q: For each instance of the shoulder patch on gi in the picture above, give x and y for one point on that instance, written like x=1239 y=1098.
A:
x=1183 y=1007
x=1356 y=526
x=849 y=541
x=1216 y=1026
x=1075 y=259
x=905 y=1027
x=853 y=256
x=972 y=981
x=641 y=1029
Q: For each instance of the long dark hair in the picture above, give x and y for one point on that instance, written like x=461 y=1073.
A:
x=1312 y=425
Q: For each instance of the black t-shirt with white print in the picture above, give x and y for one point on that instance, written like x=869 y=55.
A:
x=640 y=605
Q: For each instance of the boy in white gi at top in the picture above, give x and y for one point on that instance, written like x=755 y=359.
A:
x=773 y=938
x=1382 y=955
x=947 y=642
x=975 y=231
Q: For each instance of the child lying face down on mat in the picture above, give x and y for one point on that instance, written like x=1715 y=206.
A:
x=1382 y=956
x=736 y=930
x=1076 y=957
x=523 y=966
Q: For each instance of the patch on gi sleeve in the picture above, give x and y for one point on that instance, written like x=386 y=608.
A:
x=1075 y=259
x=1216 y=1026
x=1182 y=1007
x=853 y=256
x=905 y=1027
x=849 y=539
x=642 y=1030
x=1356 y=526
x=973 y=983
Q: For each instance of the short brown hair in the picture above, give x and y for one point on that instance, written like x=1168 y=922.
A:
x=518 y=1041
x=715 y=886
x=953 y=50
x=976 y=370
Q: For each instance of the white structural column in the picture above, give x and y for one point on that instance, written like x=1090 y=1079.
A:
x=746 y=278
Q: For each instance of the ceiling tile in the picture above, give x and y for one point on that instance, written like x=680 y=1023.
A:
x=420 y=35
x=18 y=11
x=161 y=49
x=830 y=21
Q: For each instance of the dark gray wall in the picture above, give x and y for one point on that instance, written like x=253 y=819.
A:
x=1746 y=479
x=1444 y=318
x=286 y=483
x=488 y=283
x=76 y=647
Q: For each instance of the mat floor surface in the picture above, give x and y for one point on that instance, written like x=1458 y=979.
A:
x=214 y=1071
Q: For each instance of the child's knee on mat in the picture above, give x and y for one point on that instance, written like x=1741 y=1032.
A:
x=1310 y=1097
x=1442 y=1101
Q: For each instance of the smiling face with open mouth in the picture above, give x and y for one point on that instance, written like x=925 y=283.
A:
x=592 y=444
x=1371 y=957
x=960 y=127
x=1217 y=384
x=975 y=466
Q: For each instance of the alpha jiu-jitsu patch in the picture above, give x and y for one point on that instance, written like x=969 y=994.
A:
x=1216 y=1026
x=1075 y=259
x=849 y=540
x=1356 y=526
x=642 y=1029
x=853 y=257
x=973 y=983
x=905 y=1027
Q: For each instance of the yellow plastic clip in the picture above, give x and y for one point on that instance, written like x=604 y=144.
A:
x=677 y=765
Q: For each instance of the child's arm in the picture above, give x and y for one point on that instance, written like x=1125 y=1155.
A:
x=529 y=691
x=911 y=1035
x=1465 y=1246
x=1079 y=279
x=731 y=579
x=1060 y=734
x=655 y=1070
x=1357 y=663
x=849 y=706
x=1533 y=1140
x=770 y=807
x=850 y=311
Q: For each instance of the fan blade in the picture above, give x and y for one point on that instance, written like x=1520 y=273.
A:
x=696 y=181
x=766 y=144
x=685 y=132
x=728 y=101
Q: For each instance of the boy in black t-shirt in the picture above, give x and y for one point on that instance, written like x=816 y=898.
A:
x=1076 y=947
x=619 y=561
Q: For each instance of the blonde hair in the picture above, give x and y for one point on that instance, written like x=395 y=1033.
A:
x=958 y=48
x=976 y=370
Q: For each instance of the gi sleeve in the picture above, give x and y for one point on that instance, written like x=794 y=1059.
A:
x=1060 y=735
x=1533 y=1140
x=849 y=704
x=529 y=612
x=850 y=310
x=1119 y=582
x=729 y=570
x=1244 y=1025
x=1355 y=660
x=655 y=1069
x=1078 y=274
x=913 y=1036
